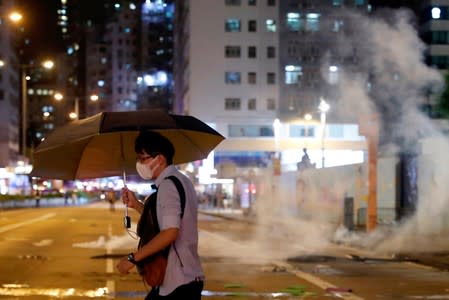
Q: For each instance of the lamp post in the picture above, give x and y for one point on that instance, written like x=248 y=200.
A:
x=74 y=115
x=323 y=108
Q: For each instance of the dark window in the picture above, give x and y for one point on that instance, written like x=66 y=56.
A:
x=252 y=2
x=232 y=104
x=232 y=51
x=252 y=26
x=252 y=78
x=271 y=78
x=271 y=2
x=252 y=53
x=252 y=104
x=271 y=104
x=232 y=2
x=271 y=52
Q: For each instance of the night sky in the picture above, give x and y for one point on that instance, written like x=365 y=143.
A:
x=40 y=22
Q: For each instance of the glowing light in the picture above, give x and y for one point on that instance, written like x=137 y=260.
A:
x=48 y=64
x=73 y=116
x=15 y=17
x=436 y=13
x=58 y=96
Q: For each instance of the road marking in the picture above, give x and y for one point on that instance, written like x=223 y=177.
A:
x=25 y=223
x=317 y=281
x=110 y=284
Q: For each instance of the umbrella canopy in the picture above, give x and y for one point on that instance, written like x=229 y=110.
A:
x=103 y=145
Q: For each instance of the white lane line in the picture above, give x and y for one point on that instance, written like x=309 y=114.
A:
x=25 y=223
x=317 y=281
x=110 y=284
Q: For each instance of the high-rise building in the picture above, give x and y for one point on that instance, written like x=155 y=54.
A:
x=9 y=90
x=155 y=81
x=249 y=67
x=226 y=68
x=311 y=55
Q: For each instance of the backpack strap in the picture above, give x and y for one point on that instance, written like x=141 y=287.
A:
x=182 y=194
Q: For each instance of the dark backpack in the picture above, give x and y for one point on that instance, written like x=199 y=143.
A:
x=148 y=226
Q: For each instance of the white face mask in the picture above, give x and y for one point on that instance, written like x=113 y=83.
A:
x=144 y=171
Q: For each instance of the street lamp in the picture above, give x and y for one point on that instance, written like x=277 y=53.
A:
x=15 y=17
x=74 y=115
x=323 y=108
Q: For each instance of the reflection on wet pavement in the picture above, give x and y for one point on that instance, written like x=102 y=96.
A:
x=24 y=290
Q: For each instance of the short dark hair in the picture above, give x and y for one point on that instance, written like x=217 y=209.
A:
x=154 y=143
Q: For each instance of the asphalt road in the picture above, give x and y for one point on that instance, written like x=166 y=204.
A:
x=70 y=253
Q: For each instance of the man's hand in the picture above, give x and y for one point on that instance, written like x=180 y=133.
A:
x=130 y=199
x=124 y=266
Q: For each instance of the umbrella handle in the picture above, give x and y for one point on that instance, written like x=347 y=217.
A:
x=127 y=219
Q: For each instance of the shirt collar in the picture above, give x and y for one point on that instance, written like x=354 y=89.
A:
x=166 y=172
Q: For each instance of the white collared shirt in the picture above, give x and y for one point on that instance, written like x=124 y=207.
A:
x=168 y=210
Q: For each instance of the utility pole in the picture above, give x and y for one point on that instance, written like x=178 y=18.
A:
x=369 y=127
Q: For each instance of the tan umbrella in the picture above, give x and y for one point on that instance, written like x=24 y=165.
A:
x=103 y=145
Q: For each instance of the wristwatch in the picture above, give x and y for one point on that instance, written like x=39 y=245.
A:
x=131 y=258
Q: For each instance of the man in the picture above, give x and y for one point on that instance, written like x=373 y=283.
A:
x=184 y=275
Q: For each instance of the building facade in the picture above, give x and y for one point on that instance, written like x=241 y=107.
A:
x=253 y=69
x=9 y=90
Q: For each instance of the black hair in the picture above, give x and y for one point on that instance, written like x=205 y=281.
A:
x=153 y=143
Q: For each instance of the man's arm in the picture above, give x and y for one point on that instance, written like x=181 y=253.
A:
x=161 y=241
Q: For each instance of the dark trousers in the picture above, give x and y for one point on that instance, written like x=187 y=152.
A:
x=190 y=291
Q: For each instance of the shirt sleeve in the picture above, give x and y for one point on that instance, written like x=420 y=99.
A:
x=168 y=205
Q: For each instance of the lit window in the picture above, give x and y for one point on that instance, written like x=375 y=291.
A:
x=232 y=25
x=232 y=77
x=338 y=24
x=270 y=25
x=436 y=13
x=337 y=2
x=292 y=74
x=333 y=74
x=293 y=21
x=312 y=22
x=47 y=109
